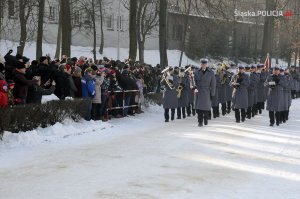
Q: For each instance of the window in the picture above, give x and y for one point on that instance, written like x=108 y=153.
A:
x=110 y=22
x=76 y=20
x=11 y=9
x=177 y=32
x=120 y=23
x=52 y=14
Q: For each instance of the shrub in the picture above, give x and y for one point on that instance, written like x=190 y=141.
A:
x=29 y=117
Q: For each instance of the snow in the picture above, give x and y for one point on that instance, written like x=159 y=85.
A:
x=143 y=157
x=151 y=56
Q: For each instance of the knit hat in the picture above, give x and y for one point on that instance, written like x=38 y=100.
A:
x=77 y=70
x=42 y=58
x=88 y=70
x=20 y=65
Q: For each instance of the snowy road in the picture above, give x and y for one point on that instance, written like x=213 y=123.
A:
x=144 y=158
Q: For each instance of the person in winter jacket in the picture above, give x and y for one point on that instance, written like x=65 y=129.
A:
x=96 y=102
x=88 y=89
x=36 y=91
x=77 y=81
x=10 y=92
x=10 y=64
x=3 y=94
x=21 y=84
x=67 y=69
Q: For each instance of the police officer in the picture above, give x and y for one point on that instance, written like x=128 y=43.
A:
x=261 y=98
x=170 y=101
x=183 y=99
x=240 y=83
x=275 y=105
x=206 y=85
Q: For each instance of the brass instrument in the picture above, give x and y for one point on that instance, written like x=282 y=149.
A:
x=166 y=77
x=192 y=77
x=179 y=88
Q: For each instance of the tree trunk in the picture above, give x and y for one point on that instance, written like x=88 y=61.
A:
x=185 y=32
x=39 y=40
x=132 y=30
x=268 y=29
x=101 y=28
x=94 y=30
x=163 y=33
x=58 y=39
x=141 y=51
x=66 y=28
x=23 y=22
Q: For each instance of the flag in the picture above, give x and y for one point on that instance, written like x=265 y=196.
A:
x=267 y=62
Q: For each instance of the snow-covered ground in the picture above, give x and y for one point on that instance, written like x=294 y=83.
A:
x=143 y=157
x=151 y=56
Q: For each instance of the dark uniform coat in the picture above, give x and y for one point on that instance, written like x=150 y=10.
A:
x=206 y=86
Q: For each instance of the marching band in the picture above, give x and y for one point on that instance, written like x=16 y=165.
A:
x=202 y=90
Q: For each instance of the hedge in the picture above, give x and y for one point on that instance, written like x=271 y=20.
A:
x=29 y=117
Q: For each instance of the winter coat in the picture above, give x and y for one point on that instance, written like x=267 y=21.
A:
x=206 y=86
x=3 y=94
x=215 y=99
x=275 y=98
x=252 y=89
x=240 y=93
x=88 y=86
x=73 y=88
x=62 y=88
x=98 y=83
x=21 y=86
x=183 y=101
x=261 y=89
x=35 y=94
x=287 y=92
x=46 y=73
x=229 y=89
x=77 y=82
x=170 y=100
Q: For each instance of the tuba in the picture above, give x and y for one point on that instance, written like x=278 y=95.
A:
x=166 y=77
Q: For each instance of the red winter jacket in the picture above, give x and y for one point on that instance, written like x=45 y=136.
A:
x=3 y=94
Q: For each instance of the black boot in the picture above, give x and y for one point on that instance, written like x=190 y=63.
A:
x=237 y=115
x=179 y=113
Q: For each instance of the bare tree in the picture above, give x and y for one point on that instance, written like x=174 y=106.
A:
x=39 y=40
x=66 y=27
x=101 y=26
x=132 y=30
x=147 y=20
x=187 y=15
x=163 y=33
x=25 y=11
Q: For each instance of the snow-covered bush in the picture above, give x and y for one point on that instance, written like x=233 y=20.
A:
x=29 y=117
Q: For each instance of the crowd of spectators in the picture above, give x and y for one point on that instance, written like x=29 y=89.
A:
x=106 y=83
